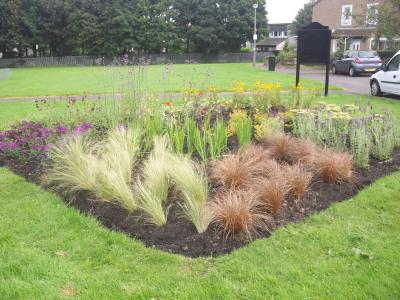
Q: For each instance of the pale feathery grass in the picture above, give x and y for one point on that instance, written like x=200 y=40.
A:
x=104 y=169
x=121 y=150
x=153 y=189
x=151 y=204
x=74 y=166
x=111 y=186
x=191 y=180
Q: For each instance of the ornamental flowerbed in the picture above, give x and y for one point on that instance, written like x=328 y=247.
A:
x=210 y=175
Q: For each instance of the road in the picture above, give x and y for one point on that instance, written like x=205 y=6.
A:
x=357 y=85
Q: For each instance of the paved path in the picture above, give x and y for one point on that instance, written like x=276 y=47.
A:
x=356 y=85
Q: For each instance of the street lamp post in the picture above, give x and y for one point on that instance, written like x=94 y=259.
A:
x=255 y=6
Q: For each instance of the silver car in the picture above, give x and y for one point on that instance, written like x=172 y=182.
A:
x=357 y=62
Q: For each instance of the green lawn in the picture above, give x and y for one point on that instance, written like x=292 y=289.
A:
x=57 y=81
x=48 y=250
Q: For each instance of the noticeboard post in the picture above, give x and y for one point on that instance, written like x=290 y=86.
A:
x=314 y=47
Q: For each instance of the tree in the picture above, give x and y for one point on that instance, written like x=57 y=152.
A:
x=9 y=29
x=303 y=17
x=385 y=17
x=388 y=21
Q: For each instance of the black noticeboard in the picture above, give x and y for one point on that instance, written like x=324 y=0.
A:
x=314 y=47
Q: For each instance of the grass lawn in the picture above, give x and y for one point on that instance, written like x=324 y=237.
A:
x=48 y=250
x=57 y=81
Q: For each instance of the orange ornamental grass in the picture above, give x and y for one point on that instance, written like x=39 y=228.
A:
x=301 y=151
x=333 y=167
x=298 y=180
x=272 y=192
x=238 y=212
x=235 y=171
x=278 y=144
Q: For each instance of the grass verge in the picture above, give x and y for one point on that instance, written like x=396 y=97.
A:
x=61 y=81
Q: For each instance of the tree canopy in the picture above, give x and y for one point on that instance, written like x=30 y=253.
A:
x=114 y=27
x=303 y=17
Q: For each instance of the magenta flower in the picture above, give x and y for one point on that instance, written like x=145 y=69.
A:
x=61 y=129
x=8 y=146
x=82 y=128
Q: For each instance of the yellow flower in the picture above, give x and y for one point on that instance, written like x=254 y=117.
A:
x=239 y=87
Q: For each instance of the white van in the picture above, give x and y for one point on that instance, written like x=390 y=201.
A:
x=388 y=79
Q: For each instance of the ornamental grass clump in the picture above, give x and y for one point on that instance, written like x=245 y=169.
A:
x=153 y=188
x=272 y=192
x=301 y=151
x=74 y=166
x=278 y=144
x=104 y=169
x=121 y=150
x=298 y=180
x=190 y=179
x=236 y=171
x=333 y=167
x=238 y=212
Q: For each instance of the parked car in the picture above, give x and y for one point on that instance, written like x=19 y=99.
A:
x=357 y=62
x=387 y=80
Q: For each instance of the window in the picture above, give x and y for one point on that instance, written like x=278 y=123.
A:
x=347 y=11
x=372 y=14
x=394 y=64
x=285 y=33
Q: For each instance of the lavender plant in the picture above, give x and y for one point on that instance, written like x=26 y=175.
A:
x=359 y=142
x=383 y=136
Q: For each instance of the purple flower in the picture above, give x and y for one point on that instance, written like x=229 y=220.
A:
x=81 y=128
x=2 y=136
x=61 y=129
x=42 y=148
x=8 y=146
x=45 y=133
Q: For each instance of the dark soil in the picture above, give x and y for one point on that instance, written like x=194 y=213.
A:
x=180 y=236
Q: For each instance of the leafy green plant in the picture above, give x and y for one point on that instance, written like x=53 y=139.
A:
x=200 y=143
x=154 y=125
x=244 y=131
x=177 y=133
x=217 y=139
x=190 y=127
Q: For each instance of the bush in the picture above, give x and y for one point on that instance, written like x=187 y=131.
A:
x=333 y=167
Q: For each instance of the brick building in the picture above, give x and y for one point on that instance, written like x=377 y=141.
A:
x=352 y=21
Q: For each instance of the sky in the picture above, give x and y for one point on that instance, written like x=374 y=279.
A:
x=283 y=11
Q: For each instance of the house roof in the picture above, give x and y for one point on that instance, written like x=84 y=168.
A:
x=270 y=42
x=278 y=27
x=353 y=32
